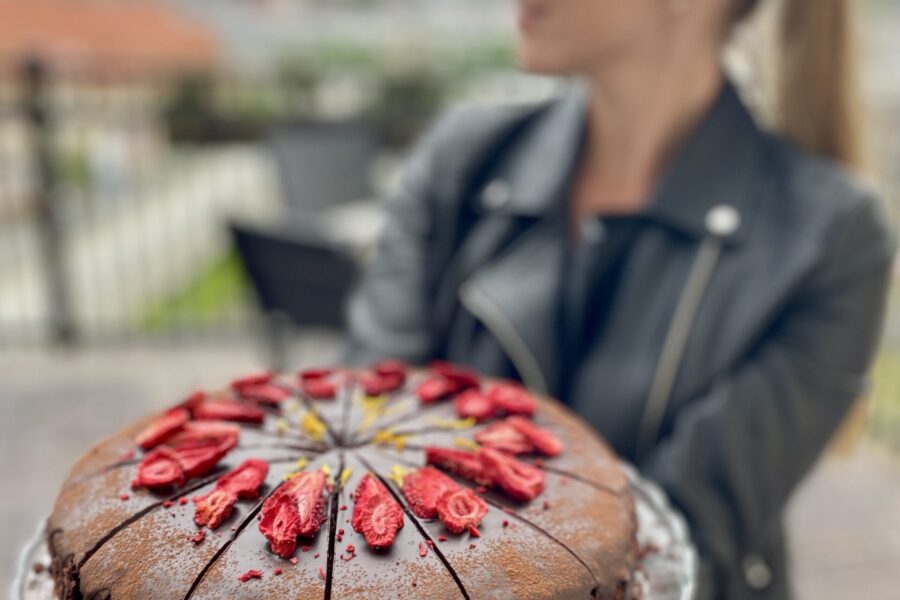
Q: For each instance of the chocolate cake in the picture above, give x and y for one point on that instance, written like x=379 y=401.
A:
x=377 y=483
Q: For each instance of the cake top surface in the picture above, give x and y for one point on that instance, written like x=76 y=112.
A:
x=349 y=483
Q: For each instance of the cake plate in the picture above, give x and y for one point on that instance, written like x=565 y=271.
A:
x=666 y=570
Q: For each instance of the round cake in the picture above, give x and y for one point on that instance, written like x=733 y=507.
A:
x=383 y=482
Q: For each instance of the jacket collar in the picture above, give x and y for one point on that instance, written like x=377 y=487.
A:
x=715 y=167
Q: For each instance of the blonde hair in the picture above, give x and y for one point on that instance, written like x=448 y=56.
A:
x=814 y=100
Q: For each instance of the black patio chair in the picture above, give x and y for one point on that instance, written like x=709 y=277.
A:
x=300 y=279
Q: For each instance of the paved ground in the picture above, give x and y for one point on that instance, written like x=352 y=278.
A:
x=845 y=519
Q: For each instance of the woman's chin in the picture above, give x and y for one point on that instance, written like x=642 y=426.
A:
x=537 y=62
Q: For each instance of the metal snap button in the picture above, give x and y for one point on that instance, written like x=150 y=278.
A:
x=496 y=195
x=723 y=220
x=593 y=231
x=757 y=573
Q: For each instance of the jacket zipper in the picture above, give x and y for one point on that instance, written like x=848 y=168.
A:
x=492 y=317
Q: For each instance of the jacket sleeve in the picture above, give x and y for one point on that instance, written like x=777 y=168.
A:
x=389 y=314
x=734 y=455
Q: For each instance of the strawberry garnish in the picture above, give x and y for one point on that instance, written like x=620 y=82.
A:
x=435 y=389
x=512 y=398
x=459 y=462
x=422 y=489
x=271 y=395
x=473 y=404
x=319 y=388
x=212 y=509
x=201 y=457
x=544 y=441
x=376 y=513
x=296 y=509
x=461 y=377
x=162 y=427
x=461 y=509
x=280 y=524
x=390 y=367
x=375 y=384
x=243 y=482
x=504 y=437
x=159 y=469
x=227 y=410
x=246 y=479
x=251 y=380
x=517 y=479
x=205 y=431
x=310 y=374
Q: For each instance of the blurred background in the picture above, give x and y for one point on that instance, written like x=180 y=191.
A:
x=162 y=160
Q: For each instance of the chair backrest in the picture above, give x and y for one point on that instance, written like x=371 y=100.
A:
x=297 y=274
x=323 y=164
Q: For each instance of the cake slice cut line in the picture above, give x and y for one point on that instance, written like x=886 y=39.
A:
x=334 y=500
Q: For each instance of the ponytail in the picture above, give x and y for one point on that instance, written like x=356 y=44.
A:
x=816 y=103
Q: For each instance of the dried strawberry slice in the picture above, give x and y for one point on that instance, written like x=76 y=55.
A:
x=461 y=509
x=391 y=367
x=306 y=492
x=205 y=431
x=512 y=399
x=271 y=395
x=199 y=458
x=319 y=388
x=459 y=462
x=473 y=404
x=159 y=469
x=504 y=437
x=422 y=489
x=461 y=377
x=377 y=513
x=544 y=441
x=227 y=410
x=162 y=427
x=194 y=400
x=212 y=509
x=245 y=480
x=280 y=524
x=253 y=379
x=376 y=384
x=434 y=389
x=519 y=480
x=310 y=374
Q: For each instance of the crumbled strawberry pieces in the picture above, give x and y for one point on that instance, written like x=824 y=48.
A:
x=296 y=509
x=245 y=480
x=461 y=509
x=199 y=537
x=463 y=463
x=228 y=410
x=376 y=514
x=319 y=388
x=251 y=574
x=517 y=479
x=253 y=379
x=162 y=428
x=512 y=399
x=423 y=488
x=435 y=389
x=543 y=441
x=159 y=469
x=473 y=404
x=504 y=437
x=423 y=549
x=268 y=394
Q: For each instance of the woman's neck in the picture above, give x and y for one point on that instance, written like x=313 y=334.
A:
x=637 y=120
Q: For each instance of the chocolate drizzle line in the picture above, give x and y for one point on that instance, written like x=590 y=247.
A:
x=514 y=514
x=224 y=547
x=418 y=525
x=332 y=528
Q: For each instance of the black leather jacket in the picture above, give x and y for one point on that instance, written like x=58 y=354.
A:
x=742 y=331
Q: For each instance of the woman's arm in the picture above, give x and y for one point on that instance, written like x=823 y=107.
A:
x=734 y=456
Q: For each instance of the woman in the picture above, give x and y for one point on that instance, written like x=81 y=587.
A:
x=706 y=294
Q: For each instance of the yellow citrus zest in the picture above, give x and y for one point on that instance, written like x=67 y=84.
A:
x=313 y=426
x=466 y=443
x=398 y=474
x=345 y=475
